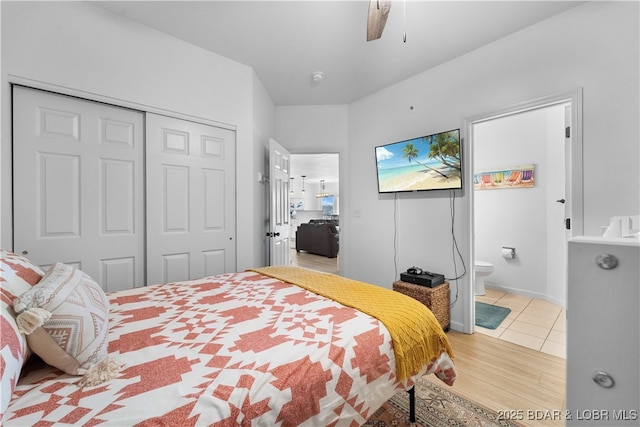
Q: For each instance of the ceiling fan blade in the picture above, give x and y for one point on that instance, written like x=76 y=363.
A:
x=377 y=18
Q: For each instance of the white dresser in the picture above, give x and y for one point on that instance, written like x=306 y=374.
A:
x=603 y=332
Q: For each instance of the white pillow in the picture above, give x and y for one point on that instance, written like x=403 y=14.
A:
x=66 y=319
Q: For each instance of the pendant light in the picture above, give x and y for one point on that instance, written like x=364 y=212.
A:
x=291 y=185
x=303 y=177
x=322 y=193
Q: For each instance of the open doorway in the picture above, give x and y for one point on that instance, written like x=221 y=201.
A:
x=526 y=215
x=544 y=136
x=315 y=211
x=520 y=180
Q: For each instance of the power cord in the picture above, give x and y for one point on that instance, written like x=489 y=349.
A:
x=395 y=236
x=454 y=248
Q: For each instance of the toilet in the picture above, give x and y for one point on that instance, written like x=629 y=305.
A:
x=481 y=270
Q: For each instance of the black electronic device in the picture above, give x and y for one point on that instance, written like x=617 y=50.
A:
x=418 y=276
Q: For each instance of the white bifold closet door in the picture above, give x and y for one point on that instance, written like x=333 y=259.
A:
x=90 y=189
x=191 y=221
x=78 y=186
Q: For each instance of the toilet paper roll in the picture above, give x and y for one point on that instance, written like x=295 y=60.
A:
x=508 y=253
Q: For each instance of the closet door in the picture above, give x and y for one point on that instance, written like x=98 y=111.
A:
x=191 y=226
x=78 y=186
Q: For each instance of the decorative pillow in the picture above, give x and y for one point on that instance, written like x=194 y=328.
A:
x=66 y=320
x=17 y=275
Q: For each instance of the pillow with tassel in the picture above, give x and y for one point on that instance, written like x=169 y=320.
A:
x=66 y=320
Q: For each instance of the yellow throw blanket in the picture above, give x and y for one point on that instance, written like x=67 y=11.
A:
x=418 y=338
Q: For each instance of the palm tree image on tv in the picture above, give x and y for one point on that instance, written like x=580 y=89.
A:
x=410 y=152
x=446 y=148
x=425 y=163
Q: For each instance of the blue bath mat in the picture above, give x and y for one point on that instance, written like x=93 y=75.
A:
x=490 y=316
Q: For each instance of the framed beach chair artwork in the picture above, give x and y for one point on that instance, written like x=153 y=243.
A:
x=512 y=177
x=486 y=181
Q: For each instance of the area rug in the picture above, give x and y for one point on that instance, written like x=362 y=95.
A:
x=436 y=407
x=490 y=316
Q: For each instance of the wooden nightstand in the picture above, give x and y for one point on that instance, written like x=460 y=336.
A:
x=436 y=299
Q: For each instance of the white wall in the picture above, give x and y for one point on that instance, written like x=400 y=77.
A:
x=312 y=128
x=512 y=217
x=524 y=218
x=78 y=48
x=555 y=56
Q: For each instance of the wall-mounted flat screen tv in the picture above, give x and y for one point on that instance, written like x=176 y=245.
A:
x=431 y=162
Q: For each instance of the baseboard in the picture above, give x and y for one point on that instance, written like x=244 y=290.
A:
x=526 y=293
x=458 y=327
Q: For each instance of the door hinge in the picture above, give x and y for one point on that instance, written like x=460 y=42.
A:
x=567 y=132
x=567 y=223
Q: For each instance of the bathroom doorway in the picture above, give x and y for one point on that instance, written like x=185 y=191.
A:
x=547 y=135
x=528 y=218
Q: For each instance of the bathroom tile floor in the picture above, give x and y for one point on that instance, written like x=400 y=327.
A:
x=532 y=323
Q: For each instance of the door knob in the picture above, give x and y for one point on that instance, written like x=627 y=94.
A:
x=603 y=379
x=561 y=200
x=606 y=261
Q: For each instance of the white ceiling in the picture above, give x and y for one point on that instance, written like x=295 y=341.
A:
x=315 y=167
x=286 y=41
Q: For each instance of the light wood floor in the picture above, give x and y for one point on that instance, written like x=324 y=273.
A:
x=501 y=375
x=504 y=376
x=315 y=262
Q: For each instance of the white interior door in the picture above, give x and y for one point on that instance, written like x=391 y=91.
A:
x=279 y=215
x=568 y=195
x=78 y=186
x=191 y=215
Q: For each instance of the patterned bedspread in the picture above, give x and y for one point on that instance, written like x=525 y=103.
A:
x=235 y=349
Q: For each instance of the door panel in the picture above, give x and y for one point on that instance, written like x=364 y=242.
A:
x=213 y=181
x=175 y=198
x=279 y=221
x=78 y=186
x=190 y=200
x=58 y=189
x=117 y=202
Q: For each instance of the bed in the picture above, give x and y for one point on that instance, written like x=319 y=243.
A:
x=262 y=347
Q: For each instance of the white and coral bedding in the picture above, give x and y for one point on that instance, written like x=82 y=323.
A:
x=235 y=349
